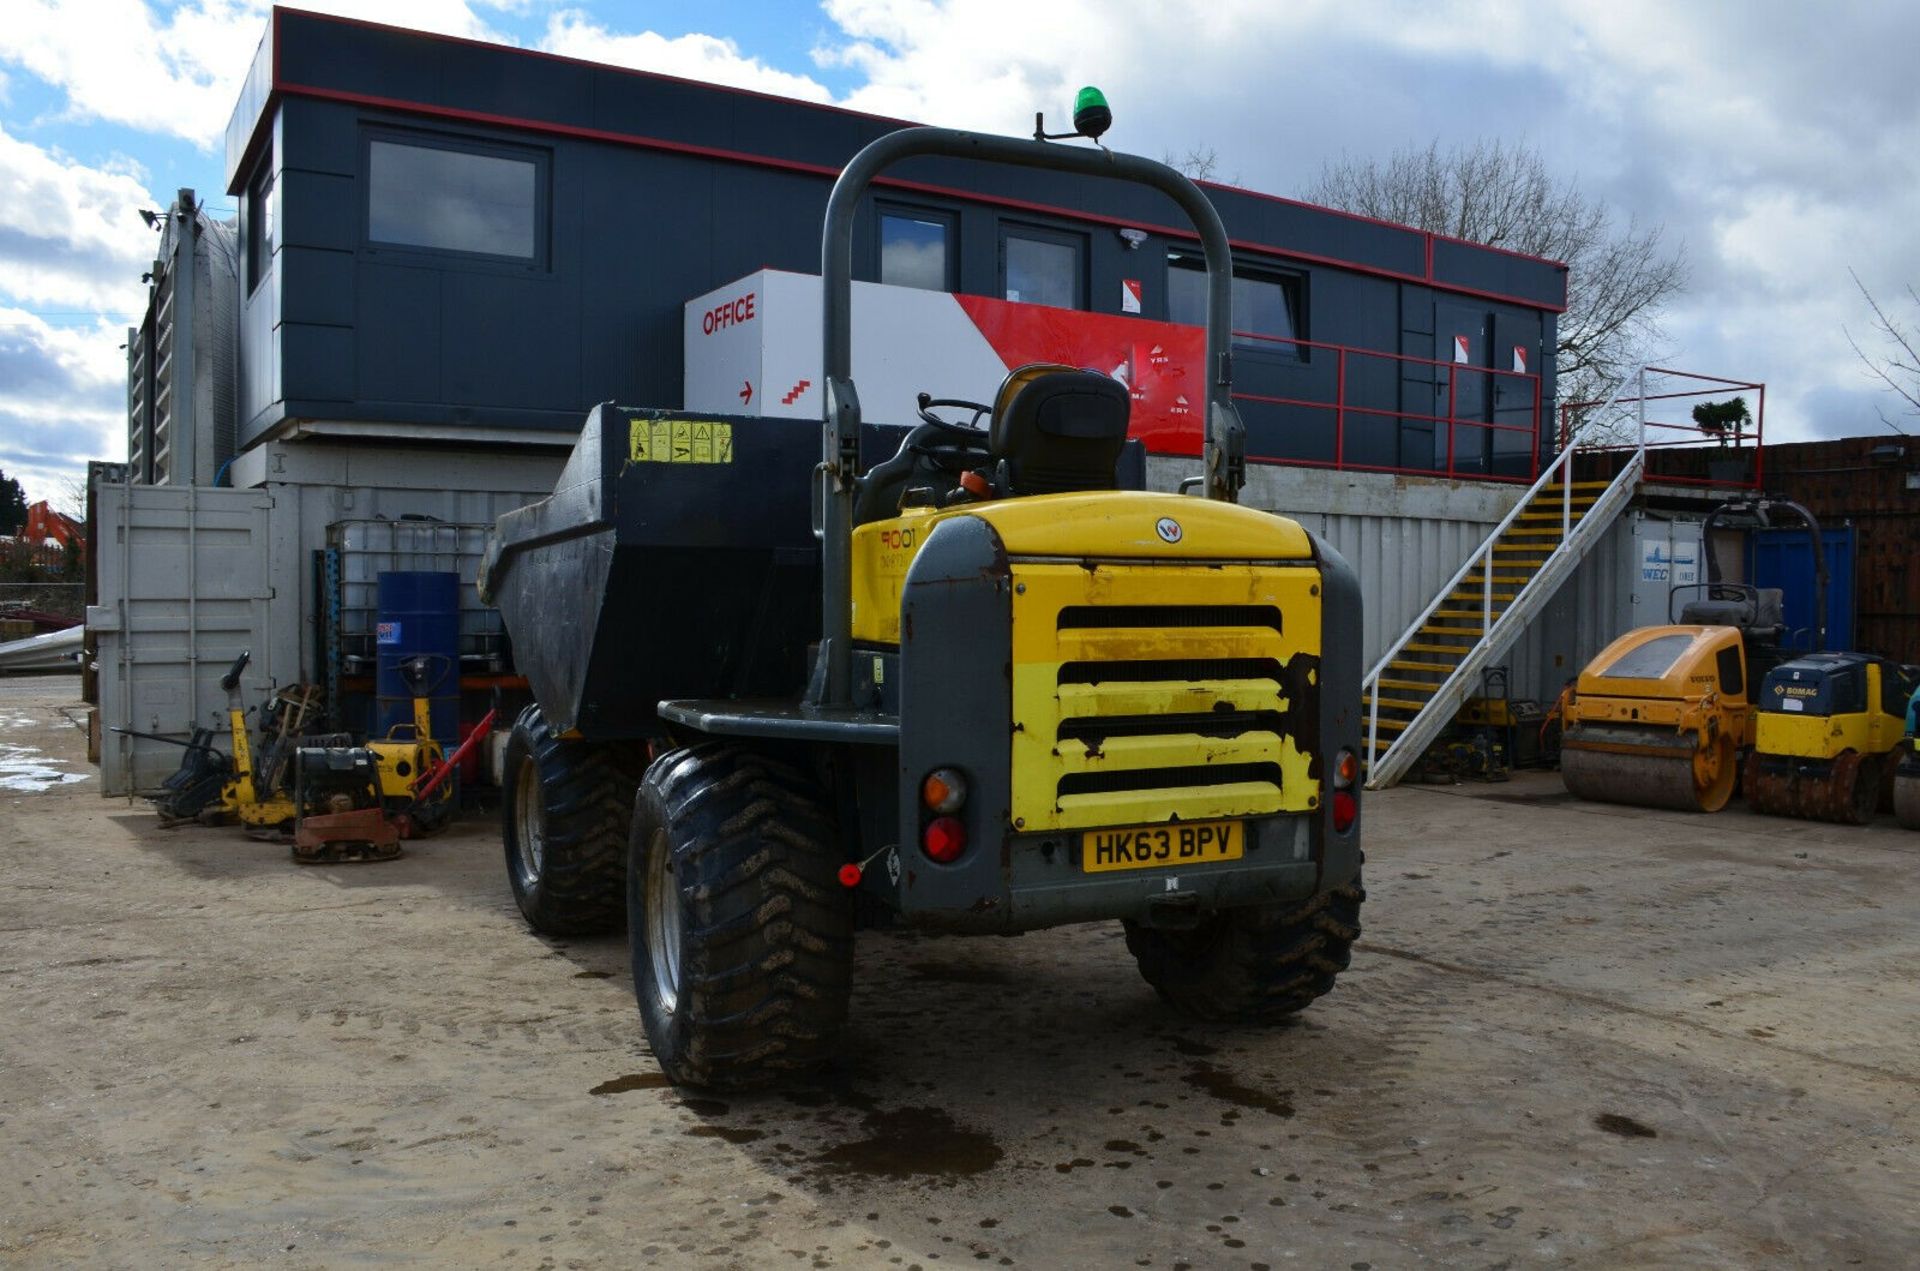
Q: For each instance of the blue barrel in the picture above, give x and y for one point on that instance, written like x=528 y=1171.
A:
x=418 y=616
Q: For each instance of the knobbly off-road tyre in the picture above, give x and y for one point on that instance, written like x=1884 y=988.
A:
x=1253 y=965
x=740 y=933
x=563 y=818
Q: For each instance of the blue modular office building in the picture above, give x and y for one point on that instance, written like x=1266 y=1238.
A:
x=477 y=243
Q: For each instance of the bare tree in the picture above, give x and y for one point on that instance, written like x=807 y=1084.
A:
x=1503 y=195
x=1899 y=366
x=1201 y=163
x=70 y=497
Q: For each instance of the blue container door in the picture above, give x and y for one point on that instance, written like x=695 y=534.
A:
x=1783 y=558
x=418 y=616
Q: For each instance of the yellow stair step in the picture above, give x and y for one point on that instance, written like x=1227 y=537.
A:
x=1398 y=704
x=1421 y=685
x=1432 y=668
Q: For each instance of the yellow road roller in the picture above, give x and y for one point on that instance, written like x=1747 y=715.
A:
x=1831 y=727
x=1660 y=719
x=1664 y=716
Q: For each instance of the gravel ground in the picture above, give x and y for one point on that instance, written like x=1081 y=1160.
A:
x=1573 y=1034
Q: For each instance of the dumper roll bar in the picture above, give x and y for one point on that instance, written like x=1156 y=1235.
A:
x=1225 y=449
x=1761 y=510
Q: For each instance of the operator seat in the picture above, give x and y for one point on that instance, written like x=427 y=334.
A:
x=1057 y=428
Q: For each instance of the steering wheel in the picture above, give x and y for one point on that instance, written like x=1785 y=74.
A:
x=971 y=429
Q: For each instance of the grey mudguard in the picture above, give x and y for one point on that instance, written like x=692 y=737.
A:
x=1339 y=706
x=955 y=707
x=956 y=701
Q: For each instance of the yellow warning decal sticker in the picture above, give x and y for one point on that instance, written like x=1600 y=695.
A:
x=679 y=441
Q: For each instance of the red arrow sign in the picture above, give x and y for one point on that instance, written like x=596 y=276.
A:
x=746 y=393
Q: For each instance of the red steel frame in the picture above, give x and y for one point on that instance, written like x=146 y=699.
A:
x=1694 y=438
x=1341 y=411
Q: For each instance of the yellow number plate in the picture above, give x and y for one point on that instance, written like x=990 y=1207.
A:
x=1153 y=846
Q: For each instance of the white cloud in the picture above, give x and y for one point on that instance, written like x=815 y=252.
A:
x=62 y=395
x=119 y=61
x=72 y=237
x=175 y=72
x=705 y=58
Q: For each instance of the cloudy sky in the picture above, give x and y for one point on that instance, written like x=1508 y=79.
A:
x=1777 y=140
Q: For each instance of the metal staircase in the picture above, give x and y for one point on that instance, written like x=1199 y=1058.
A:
x=1421 y=681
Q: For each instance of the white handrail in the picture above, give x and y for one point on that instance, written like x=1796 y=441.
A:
x=1517 y=614
x=1484 y=553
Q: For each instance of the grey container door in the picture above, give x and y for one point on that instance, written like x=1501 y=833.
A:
x=184 y=589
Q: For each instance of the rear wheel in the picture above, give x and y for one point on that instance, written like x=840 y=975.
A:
x=740 y=933
x=564 y=819
x=1253 y=965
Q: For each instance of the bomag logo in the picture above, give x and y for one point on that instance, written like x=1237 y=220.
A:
x=896 y=540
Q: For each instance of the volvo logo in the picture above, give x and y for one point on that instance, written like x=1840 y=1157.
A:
x=1168 y=529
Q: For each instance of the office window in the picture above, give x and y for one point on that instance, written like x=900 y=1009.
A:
x=1042 y=267
x=454 y=200
x=1266 y=306
x=261 y=227
x=916 y=249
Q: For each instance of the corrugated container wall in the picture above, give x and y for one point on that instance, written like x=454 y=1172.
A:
x=1609 y=594
x=1404 y=536
x=188 y=577
x=182 y=359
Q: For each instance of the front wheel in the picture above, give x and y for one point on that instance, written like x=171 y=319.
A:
x=1253 y=965
x=563 y=820
x=740 y=933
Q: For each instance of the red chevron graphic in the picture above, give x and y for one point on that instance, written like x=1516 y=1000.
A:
x=798 y=389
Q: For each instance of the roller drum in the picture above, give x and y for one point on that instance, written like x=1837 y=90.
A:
x=1648 y=769
x=1906 y=794
x=1845 y=789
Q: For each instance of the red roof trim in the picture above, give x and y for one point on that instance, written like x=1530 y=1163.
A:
x=826 y=171
x=467 y=42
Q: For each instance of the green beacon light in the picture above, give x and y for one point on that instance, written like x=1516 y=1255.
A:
x=1091 y=115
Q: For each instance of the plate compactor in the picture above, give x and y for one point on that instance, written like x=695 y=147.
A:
x=332 y=800
x=213 y=789
x=1038 y=694
x=1832 y=726
x=1906 y=774
x=1664 y=716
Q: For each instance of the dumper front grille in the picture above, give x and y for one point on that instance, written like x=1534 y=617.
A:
x=1144 y=694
